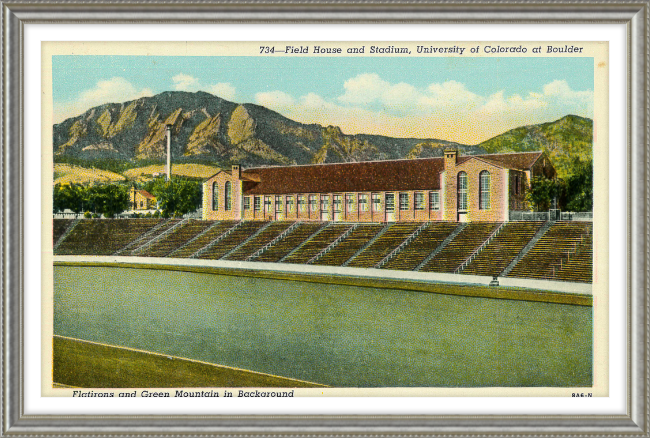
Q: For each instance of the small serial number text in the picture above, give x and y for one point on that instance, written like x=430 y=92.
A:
x=581 y=394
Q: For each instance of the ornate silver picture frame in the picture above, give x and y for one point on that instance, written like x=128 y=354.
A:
x=17 y=15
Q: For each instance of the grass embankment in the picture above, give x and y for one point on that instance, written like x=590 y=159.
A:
x=68 y=173
x=89 y=365
x=190 y=170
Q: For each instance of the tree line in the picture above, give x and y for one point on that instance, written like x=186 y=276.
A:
x=175 y=198
x=573 y=193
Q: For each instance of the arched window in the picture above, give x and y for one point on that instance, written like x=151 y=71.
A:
x=215 y=196
x=462 y=191
x=228 y=195
x=484 y=190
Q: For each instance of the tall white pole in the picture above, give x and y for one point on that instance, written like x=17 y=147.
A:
x=169 y=152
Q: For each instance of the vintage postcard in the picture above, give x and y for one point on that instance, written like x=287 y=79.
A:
x=306 y=219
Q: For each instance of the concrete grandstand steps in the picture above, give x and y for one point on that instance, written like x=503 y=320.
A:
x=103 y=236
x=60 y=227
x=239 y=234
x=262 y=237
x=505 y=246
x=395 y=251
x=367 y=244
x=578 y=267
x=383 y=244
x=348 y=246
x=562 y=242
x=460 y=247
x=159 y=226
x=542 y=230
x=175 y=238
x=290 y=242
x=162 y=233
x=60 y=230
x=422 y=247
x=202 y=240
x=317 y=243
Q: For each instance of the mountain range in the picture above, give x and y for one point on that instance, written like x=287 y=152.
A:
x=206 y=128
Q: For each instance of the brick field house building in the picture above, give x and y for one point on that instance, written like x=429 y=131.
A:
x=449 y=188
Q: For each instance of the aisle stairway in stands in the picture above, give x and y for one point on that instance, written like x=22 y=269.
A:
x=498 y=254
x=232 y=241
x=273 y=230
x=461 y=247
x=563 y=242
x=201 y=240
x=103 y=237
x=392 y=238
x=423 y=245
x=290 y=242
x=342 y=252
x=318 y=243
x=176 y=238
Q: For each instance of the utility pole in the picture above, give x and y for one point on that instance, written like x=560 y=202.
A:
x=169 y=152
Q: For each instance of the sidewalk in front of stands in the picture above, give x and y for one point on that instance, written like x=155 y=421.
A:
x=429 y=277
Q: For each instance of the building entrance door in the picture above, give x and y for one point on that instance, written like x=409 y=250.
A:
x=279 y=213
x=389 y=207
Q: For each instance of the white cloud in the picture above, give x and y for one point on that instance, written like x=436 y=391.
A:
x=183 y=82
x=114 y=90
x=276 y=100
x=447 y=111
x=223 y=89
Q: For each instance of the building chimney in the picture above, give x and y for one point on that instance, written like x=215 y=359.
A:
x=168 y=131
x=236 y=171
x=450 y=158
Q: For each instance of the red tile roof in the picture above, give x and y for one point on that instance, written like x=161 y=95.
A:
x=146 y=194
x=397 y=175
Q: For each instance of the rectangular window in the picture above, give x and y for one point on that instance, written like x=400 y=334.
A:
x=363 y=202
x=247 y=202
x=302 y=204
x=390 y=202
x=376 y=202
x=419 y=201
x=349 y=202
x=434 y=201
x=403 y=201
x=325 y=203
x=338 y=203
x=290 y=205
x=484 y=193
x=257 y=203
x=313 y=205
x=268 y=205
x=278 y=204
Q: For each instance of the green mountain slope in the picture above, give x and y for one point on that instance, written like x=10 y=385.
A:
x=565 y=140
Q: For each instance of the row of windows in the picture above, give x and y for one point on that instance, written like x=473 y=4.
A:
x=484 y=183
x=312 y=202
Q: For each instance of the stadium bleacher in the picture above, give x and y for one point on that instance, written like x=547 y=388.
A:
x=176 y=238
x=558 y=245
x=237 y=237
x=423 y=245
x=213 y=233
x=283 y=247
x=59 y=227
x=265 y=236
x=103 y=237
x=319 y=242
x=461 y=247
x=503 y=249
x=342 y=252
x=380 y=248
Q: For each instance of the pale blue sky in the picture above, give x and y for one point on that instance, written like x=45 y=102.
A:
x=379 y=95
